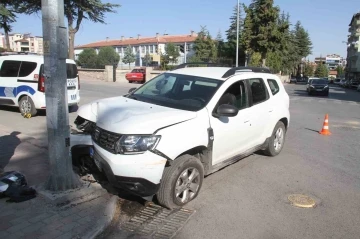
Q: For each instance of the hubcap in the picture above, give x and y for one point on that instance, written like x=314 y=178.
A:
x=25 y=106
x=279 y=139
x=187 y=185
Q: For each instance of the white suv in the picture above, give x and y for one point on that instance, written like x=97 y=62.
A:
x=165 y=136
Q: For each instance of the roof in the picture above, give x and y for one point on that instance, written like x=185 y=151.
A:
x=141 y=41
x=34 y=58
x=356 y=15
x=22 y=40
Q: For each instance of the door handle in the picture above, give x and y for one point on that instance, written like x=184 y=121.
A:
x=246 y=121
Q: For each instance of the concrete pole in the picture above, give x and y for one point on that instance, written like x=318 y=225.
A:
x=62 y=176
x=237 y=34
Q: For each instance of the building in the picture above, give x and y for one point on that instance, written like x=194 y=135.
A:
x=142 y=45
x=353 y=51
x=332 y=62
x=23 y=43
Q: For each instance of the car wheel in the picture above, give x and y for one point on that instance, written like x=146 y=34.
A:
x=181 y=182
x=277 y=140
x=27 y=106
x=130 y=81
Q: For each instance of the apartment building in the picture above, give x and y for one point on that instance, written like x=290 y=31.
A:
x=140 y=46
x=353 y=51
x=23 y=43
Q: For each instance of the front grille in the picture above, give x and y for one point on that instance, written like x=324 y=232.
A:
x=105 y=139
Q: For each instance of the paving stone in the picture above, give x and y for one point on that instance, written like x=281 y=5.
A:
x=41 y=217
x=68 y=227
x=18 y=227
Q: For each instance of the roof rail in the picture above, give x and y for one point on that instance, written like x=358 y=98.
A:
x=246 y=69
x=207 y=64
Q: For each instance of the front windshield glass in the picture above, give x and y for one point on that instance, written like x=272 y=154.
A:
x=320 y=81
x=178 y=91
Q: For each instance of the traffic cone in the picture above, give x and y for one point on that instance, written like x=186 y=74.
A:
x=325 y=128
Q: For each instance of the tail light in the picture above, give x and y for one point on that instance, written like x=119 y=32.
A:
x=41 y=82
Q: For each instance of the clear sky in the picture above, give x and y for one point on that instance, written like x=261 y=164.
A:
x=326 y=20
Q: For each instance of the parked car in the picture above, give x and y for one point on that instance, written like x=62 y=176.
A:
x=337 y=81
x=358 y=89
x=354 y=83
x=22 y=82
x=347 y=84
x=300 y=80
x=165 y=136
x=293 y=80
x=318 y=86
x=342 y=83
x=136 y=75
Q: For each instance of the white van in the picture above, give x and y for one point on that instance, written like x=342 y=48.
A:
x=22 y=82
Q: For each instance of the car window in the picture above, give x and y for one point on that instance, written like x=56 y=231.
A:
x=235 y=95
x=71 y=71
x=258 y=91
x=178 y=91
x=274 y=87
x=319 y=81
x=27 y=68
x=10 y=68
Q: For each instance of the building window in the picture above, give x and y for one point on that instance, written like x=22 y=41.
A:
x=151 y=49
x=32 y=44
x=136 y=49
x=156 y=48
x=143 y=49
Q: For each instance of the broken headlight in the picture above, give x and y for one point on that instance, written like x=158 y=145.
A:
x=136 y=144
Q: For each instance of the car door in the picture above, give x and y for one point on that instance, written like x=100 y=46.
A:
x=8 y=81
x=261 y=110
x=231 y=134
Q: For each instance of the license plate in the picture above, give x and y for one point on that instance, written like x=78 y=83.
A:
x=134 y=76
x=319 y=90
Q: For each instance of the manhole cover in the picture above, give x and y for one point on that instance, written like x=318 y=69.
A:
x=300 y=200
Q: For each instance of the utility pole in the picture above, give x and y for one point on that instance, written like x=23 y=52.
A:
x=62 y=176
x=237 y=34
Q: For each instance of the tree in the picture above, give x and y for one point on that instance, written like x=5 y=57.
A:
x=172 y=52
x=107 y=56
x=309 y=69
x=147 y=59
x=220 y=45
x=321 y=71
x=7 y=16
x=340 y=71
x=231 y=34
x=255 y=59
x=204 y=46
x=88 y=58
x=75 y=11
x=266 y=33
x=303 y=43
x=129 y=56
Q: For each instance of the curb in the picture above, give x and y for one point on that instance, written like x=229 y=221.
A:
x=104 y=222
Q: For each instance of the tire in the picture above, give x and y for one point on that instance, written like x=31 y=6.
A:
x=27 y=106
x=130 y=81
x=171 y=177
x=271 y=149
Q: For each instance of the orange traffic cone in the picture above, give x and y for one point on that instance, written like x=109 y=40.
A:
x=325 y=129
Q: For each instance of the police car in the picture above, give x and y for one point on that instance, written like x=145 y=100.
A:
x=22 y=82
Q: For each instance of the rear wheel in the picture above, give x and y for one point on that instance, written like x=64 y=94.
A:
x=277 y=140
x=27 y=106
x=181 y=182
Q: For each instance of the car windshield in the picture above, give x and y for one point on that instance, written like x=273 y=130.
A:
x=137 y=71
x=320 y=81
x=177 y=91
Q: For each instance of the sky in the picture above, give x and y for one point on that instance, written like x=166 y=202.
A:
x=326 y=20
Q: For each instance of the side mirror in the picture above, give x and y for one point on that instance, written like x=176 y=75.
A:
x=227 y=110
x=131 y=90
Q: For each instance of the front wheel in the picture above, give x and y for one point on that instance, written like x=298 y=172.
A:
x=277 y=140
x=181 y=182
x=27 y=106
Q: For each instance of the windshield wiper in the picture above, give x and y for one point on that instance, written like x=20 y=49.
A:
x=132 y=97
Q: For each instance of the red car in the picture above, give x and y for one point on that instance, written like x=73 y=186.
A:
x=136 y=75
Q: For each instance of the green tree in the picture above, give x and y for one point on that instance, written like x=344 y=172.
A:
x=164 y=60
x=303 y=43
x=321 y=71
x=7 y=17
x=147 y=59
x=255 y=59
x=231 y=34
x=172 y=52
x=205 y=46
x=129 y=56
x=75 y=11
x=309 y=69
x=274 y=61
x=265 y=31
x=107 y=56
x=220 y=45
x=340 y=71
x=88 y=58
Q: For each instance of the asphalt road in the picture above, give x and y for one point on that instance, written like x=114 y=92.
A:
x=249 y=199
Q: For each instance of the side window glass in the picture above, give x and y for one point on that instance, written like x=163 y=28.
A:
x=27 y=68
x=10 y=68
x=235 y=95
x=258 y=90
x=274 y=87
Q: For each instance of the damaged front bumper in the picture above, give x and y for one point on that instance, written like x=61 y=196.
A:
x=140 y=174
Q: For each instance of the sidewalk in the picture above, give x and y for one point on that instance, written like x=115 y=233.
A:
x=81 y=213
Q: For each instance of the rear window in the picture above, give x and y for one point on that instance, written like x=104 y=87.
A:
x=273 y=86
x=10 y=68
x=27 y=68
x=71 y=70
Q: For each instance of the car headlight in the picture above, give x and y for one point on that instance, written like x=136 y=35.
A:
x=136 y=144
x=312 y=86
x=326 y=86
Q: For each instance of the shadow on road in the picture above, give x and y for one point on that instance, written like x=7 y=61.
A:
x=8 y=145
x=72 y=109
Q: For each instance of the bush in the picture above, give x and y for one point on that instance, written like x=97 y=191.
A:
x=88 y=58
x=107 y=56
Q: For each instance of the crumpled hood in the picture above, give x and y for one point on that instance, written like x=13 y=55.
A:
x=127 y=116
